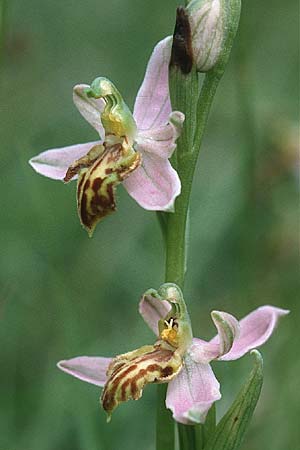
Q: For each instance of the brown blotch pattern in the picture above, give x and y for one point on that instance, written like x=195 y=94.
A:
x=96 y=184
x=85 y=162
x=126 y=379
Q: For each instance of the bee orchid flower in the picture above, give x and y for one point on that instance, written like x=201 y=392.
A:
x=176 y=357
x=133 y=148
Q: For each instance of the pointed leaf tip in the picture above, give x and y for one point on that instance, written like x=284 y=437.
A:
x=258 y=359
x=231 y=429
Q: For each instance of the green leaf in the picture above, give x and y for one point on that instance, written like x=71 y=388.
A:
x=207 y=429
x=230 y=430
x=194 y=437
x=187 y=437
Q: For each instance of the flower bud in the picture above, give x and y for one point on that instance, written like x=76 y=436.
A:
x=213 y=25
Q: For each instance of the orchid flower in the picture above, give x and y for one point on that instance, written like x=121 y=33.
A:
x=176 y=357
x=133 y=148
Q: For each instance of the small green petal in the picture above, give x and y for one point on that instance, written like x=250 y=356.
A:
x=178 y=315
x=116 y=116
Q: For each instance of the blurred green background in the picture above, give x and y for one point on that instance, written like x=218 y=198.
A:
x=62 y=294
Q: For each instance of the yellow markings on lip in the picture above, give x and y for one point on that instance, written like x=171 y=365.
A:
x=96 y=184
x=129 y=373
x=113 y=123
x=170 y=334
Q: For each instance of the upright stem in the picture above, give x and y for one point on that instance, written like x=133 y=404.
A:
x=176 y=238
x=177 y=230
x=187 y=438
x=165 y=430
x=183 y=85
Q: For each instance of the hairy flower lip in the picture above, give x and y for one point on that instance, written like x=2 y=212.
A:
x=96 y=185
x=128 y=374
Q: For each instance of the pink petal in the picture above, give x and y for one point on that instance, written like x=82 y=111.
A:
x=228 y=330
x=152 y=310
x=155 y=184
x=203 y=351
x=152 y=106
x=161 y=141
x=89 y=108
x=191 y=394
x=54 y=163
x=86 y=368
x=255 y=330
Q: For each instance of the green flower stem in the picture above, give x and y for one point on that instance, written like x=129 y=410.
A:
x=162 y=220
x=196 y=437
x=176 y=235
x=177 y=232
x=203 y=432
x=184 y=98
x=175 y=225
x=187 y=437
x=209 y=87
x=165 y=430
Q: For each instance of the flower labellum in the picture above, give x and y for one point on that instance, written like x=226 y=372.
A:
x=133 y=148
x=106 y=164
x=176 y=357
x=127 y=374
